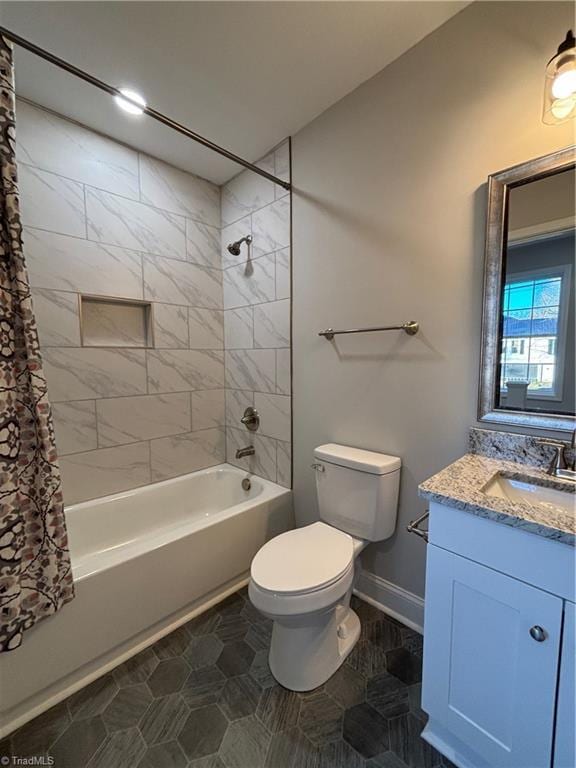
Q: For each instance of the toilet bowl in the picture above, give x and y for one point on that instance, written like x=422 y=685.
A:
x=303 y=579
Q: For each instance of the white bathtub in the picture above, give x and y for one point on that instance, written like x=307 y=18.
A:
x=144 y=562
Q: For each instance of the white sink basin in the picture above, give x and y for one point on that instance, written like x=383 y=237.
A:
x=520 y=490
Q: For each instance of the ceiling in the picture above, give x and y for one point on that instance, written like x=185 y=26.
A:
x=244 y=74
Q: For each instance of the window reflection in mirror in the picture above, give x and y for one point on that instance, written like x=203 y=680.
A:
x=537 y=366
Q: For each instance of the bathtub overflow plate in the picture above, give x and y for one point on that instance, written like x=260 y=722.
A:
x=246 y=484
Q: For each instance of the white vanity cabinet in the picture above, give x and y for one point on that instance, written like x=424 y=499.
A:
x=498 y=644
x=565 y=745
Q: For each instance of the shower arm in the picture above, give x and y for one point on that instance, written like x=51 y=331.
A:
x=150 y=111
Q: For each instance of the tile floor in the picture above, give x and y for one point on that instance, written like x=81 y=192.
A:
x=203 y=697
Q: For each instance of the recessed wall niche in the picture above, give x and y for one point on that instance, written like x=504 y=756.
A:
x=111 y=322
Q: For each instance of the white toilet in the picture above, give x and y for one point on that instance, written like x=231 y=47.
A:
x=303 y=579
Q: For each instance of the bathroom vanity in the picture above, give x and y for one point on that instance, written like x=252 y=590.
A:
x=499 y=639
x=499 y=644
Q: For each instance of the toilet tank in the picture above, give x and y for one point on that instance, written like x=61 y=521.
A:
x=357 y=490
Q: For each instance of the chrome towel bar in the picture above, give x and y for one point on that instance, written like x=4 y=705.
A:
x=411 y=328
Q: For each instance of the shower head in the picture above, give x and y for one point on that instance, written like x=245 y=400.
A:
x=234 y=248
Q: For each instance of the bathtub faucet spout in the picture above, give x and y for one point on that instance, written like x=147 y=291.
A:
x=242 y=452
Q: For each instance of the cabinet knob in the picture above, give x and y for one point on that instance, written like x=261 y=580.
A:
x=538 y=633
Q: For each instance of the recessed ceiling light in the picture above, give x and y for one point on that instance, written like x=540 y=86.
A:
x=132 y=102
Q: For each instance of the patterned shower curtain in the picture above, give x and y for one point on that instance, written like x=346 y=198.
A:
x=35 y=573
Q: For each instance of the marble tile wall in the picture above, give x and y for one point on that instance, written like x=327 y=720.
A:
x=104 y=220
x=257 y=317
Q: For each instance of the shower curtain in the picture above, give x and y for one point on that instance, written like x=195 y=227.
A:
x=35 y=573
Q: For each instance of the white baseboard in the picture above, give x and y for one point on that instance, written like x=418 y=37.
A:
x=399 y=603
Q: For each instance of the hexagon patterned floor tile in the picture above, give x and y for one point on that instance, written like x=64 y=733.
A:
x=127 y=708
x=168 y=677
x=203 y=651
x=239 y=697
x=203 y=687
x=203 y=732
x=204 y=697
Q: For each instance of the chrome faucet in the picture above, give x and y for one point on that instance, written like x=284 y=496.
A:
x=243 y=452
x=559 y=466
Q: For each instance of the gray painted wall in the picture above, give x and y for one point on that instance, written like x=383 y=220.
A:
x=389 y=209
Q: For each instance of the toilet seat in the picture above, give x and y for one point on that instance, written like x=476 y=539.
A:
x=302 y=571
x=304 y=560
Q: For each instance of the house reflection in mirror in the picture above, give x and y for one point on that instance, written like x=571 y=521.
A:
x=537 y=366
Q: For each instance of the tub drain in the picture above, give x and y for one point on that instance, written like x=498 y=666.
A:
x=246 y=484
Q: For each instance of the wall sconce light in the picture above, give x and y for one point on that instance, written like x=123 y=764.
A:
x=560 y=83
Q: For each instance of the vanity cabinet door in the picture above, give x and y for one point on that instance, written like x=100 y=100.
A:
x=489 y=673
x=565 y=747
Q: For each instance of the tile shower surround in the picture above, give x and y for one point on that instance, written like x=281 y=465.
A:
x=104 y=220
x=257 y=335
x=204 y=697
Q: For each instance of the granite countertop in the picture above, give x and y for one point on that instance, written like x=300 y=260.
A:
x=461 y=485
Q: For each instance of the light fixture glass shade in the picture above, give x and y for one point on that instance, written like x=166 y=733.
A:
x=560 y=84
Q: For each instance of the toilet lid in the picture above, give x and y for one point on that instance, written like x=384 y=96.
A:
x=303 y=560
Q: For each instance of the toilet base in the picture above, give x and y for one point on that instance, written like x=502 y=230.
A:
x=305 y=652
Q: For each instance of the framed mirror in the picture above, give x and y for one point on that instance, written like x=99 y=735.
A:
x=527 y=365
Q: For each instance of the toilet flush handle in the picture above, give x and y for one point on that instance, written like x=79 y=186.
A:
x=318 y=467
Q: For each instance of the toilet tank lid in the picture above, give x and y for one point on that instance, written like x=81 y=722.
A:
x=356 y=458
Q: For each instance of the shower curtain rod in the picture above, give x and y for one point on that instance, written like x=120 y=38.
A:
x=153 y=113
